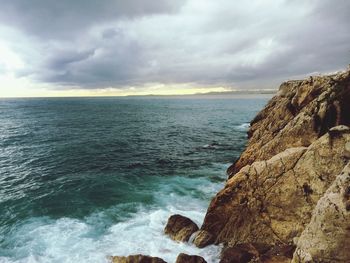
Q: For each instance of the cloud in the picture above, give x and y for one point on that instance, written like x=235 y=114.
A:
x=65 y=18
x=122 y=44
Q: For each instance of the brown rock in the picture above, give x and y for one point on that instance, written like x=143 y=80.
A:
x=180 y=228
x=243 y=253
x=327 y=238
x=137 y=259
x=276 y=259
x=257 y=252
x=293 y=156
x=272 y=201
x=203 y=239
x=184 y=258
x=280 y=253
x=299 y=114
x=347 y=150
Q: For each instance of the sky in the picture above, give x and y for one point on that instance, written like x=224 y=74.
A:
x=138 y=47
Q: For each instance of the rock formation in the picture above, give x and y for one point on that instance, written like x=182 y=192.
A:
x=257 y=252
x=327 y=237
x=180 y=228
x=287 y=198
x=184 y=258
x=301 y=112
x=284 y=185
x=137 y=259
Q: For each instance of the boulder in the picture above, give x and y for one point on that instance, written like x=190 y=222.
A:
x=137 y=259
x=327 y=237
x=184 y=258
x=203 y=238
x=180 y=228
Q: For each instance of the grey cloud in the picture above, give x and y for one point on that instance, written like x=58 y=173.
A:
x=65 y=18
x=112 y=63
x=230 y=43
x=63 y=58
x=111 y=33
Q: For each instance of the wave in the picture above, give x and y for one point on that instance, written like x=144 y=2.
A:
x=91 y=239
x=243 y=127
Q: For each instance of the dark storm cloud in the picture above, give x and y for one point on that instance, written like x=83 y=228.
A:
x=66 y=57
x=102 y=68
x=92 y=44
x=64 y=18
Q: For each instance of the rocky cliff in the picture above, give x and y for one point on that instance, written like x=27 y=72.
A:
x=287 y=198
x=287 y=187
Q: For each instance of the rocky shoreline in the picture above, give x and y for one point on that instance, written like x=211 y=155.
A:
x=287 y=198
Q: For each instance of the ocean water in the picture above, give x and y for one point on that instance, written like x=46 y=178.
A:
x=85 y=178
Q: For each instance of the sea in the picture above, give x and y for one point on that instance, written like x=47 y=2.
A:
x=82 y=179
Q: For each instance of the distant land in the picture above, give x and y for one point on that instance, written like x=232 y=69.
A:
x=225 y=94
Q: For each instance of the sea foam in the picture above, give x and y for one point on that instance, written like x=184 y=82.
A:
x=85 y=240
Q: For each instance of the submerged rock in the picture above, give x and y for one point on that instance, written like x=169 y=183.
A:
x=184 y=258
x=137 y=259
x=180 y=228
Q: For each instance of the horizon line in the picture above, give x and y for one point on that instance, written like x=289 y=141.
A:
x=213 y=93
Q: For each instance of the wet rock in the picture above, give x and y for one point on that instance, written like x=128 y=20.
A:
x=203 y=239
x=136 y=259
x=180 y=228
x=184 y=258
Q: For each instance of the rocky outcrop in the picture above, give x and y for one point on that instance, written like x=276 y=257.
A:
x=184 y=258
x=327 y=237
x=242 y=253
x=271 y=201
x=180 y=228
x=257 y=252
x=298 y=144
x=287 y=198
x=299 y=114
x=136 y=259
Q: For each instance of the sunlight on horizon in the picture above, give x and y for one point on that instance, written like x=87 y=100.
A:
x=13 y=87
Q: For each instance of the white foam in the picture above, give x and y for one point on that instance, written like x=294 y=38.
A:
x=243 y=127
x=44 y=240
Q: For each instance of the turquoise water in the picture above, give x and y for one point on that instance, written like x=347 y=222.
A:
x=85 y=178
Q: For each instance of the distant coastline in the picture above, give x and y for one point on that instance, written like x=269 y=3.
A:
x=268 y=93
